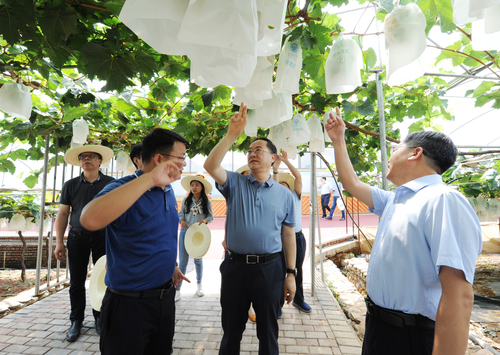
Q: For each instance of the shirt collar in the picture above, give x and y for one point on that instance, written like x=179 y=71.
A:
x=270 y=182
x=82 y=177
x=424 y=181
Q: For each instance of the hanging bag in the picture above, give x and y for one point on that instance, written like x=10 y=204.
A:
x=15 y=100
x=342 y=68
x=317 y=143
x=289 y=67
x=300 y=131
x=80 y=131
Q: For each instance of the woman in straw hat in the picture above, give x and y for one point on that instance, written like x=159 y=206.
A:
x=196 y=208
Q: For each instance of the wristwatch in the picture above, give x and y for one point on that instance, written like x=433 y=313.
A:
x=275 y=172
x=292 y=271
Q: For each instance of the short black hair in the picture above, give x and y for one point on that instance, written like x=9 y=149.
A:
x=136 y=152
x=323 y=178
x=160 y=140
x=438 y=148
x=270 y=144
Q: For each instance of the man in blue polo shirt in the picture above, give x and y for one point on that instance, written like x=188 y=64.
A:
x=259 y=226
x=423 y=259
x=140 y=214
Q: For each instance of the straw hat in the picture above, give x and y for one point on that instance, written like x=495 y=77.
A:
x=243 y=168
x=71 y=156
x=97 y=287
x=289 y=179
x=197 y=240
x=186 y=183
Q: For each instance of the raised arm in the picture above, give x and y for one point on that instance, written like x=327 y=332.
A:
x=335 y=128
x=295 y=172
x=213 y=163
x=103 y=210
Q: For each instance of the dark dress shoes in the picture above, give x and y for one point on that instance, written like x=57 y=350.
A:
x=98 y=325
x=74 y=331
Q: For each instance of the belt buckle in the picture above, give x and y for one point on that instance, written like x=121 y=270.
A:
x=252 y=262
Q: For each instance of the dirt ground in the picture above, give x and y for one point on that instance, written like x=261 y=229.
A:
x=11 y=284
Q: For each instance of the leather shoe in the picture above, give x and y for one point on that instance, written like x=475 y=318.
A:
x=98 y=325
x=74 y=331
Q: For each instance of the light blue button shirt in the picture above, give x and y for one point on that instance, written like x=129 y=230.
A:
x=298 y=212
x=256 y=213
x=424 y=225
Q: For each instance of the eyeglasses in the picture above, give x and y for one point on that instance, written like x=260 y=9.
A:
x=88 y=155
x=257 y=151
x=183 y=158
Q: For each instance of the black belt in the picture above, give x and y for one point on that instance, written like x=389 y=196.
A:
x=398 y=318
x=153 y=293
x=84 y=231
x=298 y=234
x=252 y=259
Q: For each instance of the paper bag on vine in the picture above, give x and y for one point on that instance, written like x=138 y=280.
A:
x=239 y=97
x=481 y=41
x=80 y=131
x=491 y=20
x=29 y=224
x=228 y=24
x=122 y=161
x=326 y=116
x=251 y=127
x=301 y=133
x=271 y=21
x=156 y=22
x=479 y=8
x=15 y=100
x=289 y=67
x=342 y=68
x=17 y=223
x=279 y=136
x=461 y=12
x=260 y=86
x=274 y=111
x=214 y=66
x=291 y=151
x=405 y=42
x=317 y=142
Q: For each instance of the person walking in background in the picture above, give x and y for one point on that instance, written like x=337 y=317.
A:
x=141 y=218
x=136 y=156
x=195 y=208
x=423 y=259
x=294 y=184
x=260 y=221
x=337 y=193
x=81 y=243
x=326 y=191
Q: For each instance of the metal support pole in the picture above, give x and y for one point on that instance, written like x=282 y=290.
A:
x=381 y=122
x=312 y=227
x=42 y=214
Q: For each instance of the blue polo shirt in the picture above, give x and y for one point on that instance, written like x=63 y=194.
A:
x=256 y=213
x=424 y=225
x=141 y=244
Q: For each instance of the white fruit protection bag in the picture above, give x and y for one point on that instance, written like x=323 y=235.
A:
x=17 y=223
x=342 y=66
x=251 y=127
x=279 y=136
x=15 y=100
x=301 y=134
x=80 y=131
x=317 y=142
x=274 y=111
x=289 y=67
x=271 y=20
x=405 y=42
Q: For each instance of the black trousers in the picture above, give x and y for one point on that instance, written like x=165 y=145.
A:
x=80 y=245
x=260 y=284
x=382 y=338
x=137 y=326
x=325 y=200
x=299 y=261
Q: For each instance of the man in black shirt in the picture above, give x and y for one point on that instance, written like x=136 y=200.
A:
x=75 y=194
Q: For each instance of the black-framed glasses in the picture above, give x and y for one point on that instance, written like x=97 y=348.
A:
x=183 y=158
x=257 y=151
x=87 y=155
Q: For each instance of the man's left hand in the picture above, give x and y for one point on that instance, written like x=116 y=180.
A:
x=178 y=277
x=289 y=288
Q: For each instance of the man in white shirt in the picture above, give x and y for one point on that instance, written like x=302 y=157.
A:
x=326 y=191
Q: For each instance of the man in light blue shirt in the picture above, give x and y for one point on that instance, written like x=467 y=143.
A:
x=423 y=259
x=259 y=229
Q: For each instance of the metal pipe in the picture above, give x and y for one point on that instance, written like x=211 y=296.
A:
x=381 y=119
x=42 y=214
x=463 y=76
x=312 y=226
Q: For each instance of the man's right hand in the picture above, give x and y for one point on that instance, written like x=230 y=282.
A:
x=238 y=122
x=60 y=252
x=335 y=126
x=167 y=172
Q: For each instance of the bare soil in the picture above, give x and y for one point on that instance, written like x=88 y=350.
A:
x=11 y=284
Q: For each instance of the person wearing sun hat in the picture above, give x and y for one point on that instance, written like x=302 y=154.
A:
x=294 y=183
x=195 y=208
x=75 y=194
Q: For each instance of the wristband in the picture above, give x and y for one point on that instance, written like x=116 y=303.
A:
x=275 y=172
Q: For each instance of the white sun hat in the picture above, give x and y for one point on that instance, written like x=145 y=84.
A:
x=97 y=287
x=243 y=168
x=197 y=240
x=186 y=183
x=289 y=179
x=71 y=156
